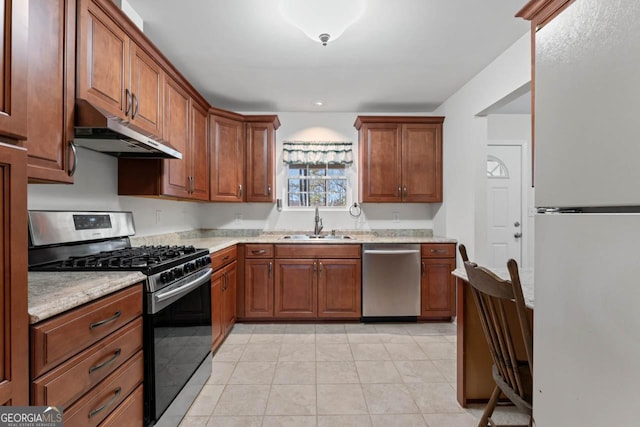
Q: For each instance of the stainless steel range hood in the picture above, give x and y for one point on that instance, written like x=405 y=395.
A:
x=110 y=135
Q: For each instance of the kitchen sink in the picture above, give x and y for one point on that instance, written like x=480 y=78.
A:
x=315 y=237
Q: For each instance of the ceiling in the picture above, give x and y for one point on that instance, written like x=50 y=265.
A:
x=400 y=56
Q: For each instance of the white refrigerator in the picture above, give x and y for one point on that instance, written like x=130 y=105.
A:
x=587 y=244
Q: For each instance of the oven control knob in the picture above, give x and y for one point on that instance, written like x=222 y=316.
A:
x=171 y=275
x=207 y=260
x=177 y=272
x=164 y=278
x=197 y=263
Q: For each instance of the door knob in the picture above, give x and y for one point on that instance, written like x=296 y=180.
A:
x=517 y=235
x=516 y=224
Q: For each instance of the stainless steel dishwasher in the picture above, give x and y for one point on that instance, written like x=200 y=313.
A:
x=390 y=280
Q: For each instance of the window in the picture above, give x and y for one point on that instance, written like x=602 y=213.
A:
x=309 y=185
x=496 y=168
x=317 y=173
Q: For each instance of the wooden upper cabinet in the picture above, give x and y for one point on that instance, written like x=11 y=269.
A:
x=421 y=163
x=380 y=151
x=177 y=181
x=103 y=61
x=400 y=158
x=14 y=321
x=51 y=90
x=13 y=72
x=227 y=159
x=199 y=152
x=260 y=160
x=115 y=74
x=147 y=79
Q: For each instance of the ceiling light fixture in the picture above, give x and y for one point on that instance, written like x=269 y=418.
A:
x=322 y=20
x=318 y=103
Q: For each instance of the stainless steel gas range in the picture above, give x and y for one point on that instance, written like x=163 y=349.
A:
x=177 y=312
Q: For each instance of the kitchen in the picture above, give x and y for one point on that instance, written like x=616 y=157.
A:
x=470 y=116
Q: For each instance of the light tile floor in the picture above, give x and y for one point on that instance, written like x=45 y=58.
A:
x=400 y=374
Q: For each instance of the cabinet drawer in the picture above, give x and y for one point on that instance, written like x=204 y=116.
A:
x=317 y=251
x=63 y=385
x=223 y=257
x=258 y=251
x=439 y=250
x=59 y=338
x=96 y=405
x=130 y=413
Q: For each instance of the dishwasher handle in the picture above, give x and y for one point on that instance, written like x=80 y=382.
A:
x=391 y=251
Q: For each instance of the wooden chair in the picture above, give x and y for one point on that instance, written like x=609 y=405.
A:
x=491 y=294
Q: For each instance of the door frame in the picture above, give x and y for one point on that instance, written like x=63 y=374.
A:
x=526 y=196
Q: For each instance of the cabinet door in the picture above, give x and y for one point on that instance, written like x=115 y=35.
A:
x=176 y=131
x=380 y=153
x=421 y=163
x=229 y=296
x=199 y=147
x=260 y=162
x=217 y=281
x=13 y=72
x=339 y=288
x=14 y=346
x=147 y=80
x=258 y=288
x=51 y=89
x=437 y=287
x=296 y=288
x=227 y=160
x=103 y=61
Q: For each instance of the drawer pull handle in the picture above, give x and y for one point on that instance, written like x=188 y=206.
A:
x=108 y=362
x=105 y=321
x=270 y=268
x=259 y=252
x=438 y=251
x=96 y=411
x=225 y=258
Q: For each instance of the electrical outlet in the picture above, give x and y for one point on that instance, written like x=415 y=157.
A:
x=158 y=216
x=238 y=218
x=396 y=217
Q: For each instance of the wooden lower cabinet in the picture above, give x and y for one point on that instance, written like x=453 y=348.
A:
x=89 y=361
x=217 y=280
x=296 y=285
x=130 y=413
x=438 y=290
x=258 y=288
x=223 y=294
x=318 y=288
x=339 y=288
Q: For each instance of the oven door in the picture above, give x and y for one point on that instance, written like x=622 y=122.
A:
x=177 y=339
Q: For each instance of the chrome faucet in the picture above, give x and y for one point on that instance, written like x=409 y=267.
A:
x=318 y=223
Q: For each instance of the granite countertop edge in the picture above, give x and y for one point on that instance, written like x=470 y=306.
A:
x=52 y=293
x=526 y=279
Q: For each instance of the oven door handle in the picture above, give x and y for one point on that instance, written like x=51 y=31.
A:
x=201 y=277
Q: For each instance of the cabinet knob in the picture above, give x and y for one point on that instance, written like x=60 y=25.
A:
x=405 y=191
x=269 y=190
x=517 y=235
x=239 y=191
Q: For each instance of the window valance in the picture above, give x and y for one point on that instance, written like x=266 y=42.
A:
x=317 y=152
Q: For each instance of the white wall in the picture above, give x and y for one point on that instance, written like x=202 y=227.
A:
x=465 y=138
x=316 y=126
x=96 y=188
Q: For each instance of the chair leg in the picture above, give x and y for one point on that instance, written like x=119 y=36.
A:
x=489 y=408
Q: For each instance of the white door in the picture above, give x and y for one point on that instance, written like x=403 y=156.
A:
x=504 y=200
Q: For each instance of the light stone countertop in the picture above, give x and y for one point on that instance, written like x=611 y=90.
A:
x=526 y=279
x=217 y=243
x=52 y=293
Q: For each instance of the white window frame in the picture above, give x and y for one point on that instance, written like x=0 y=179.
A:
x=346 y=176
